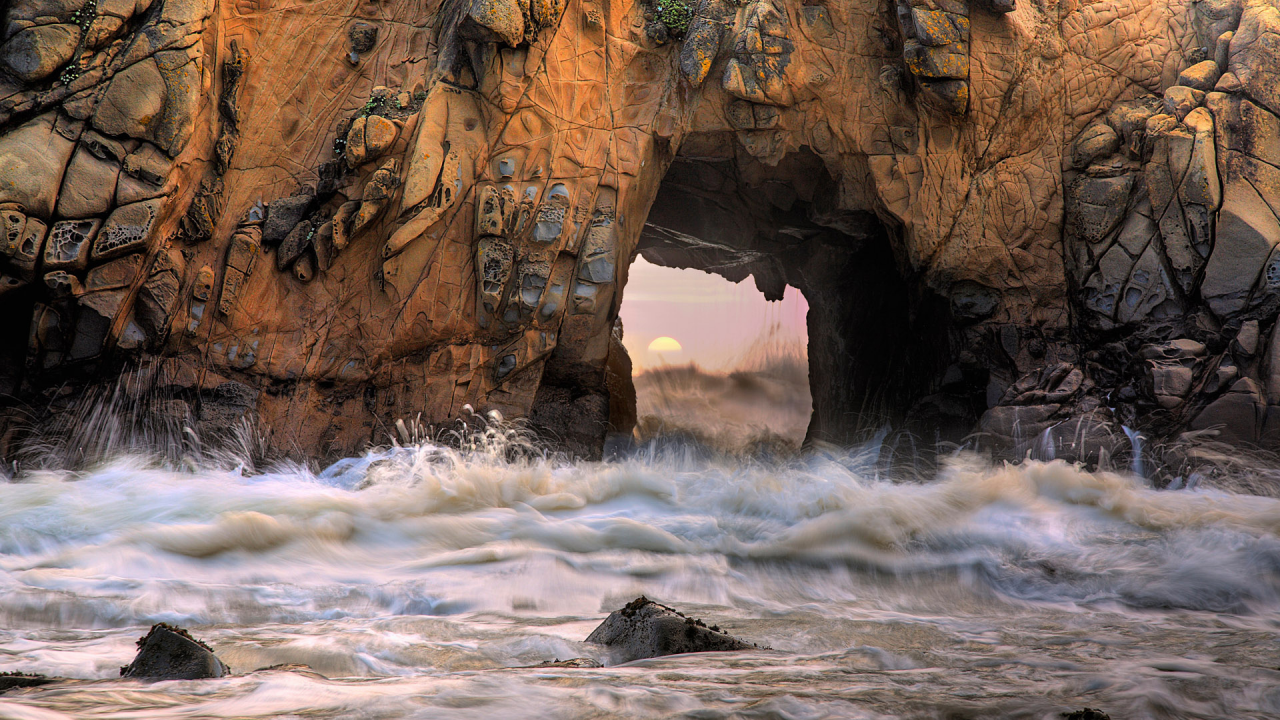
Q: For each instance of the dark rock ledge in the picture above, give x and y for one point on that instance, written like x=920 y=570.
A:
x=11 y=680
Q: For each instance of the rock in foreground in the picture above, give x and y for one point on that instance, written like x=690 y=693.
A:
x=11 y=680
x=1086 y=714
x=645 y=629
x=170 y=653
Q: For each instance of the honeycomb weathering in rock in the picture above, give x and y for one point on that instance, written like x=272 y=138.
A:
x=996 y=211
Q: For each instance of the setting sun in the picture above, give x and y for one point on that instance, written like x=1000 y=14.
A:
x=665 y=344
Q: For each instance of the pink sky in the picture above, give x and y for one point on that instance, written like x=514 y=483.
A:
x=713 y=319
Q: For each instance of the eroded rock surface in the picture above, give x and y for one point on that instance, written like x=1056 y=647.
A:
x=646 y=629
x=993 y=208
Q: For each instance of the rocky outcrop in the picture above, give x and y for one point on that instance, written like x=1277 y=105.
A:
x=1003 y=215
x=170 y=653
x=646 y=629
x=14 y=680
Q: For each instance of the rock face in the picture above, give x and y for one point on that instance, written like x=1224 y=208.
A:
x=994 y=209
x=645 y=629
x=170 y=653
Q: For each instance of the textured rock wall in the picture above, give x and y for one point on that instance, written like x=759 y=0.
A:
x=328 y=215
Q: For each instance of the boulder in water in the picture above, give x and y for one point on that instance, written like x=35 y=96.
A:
x=645 y=629
x=11 y=680
x=1086 y=714
x=170 y=653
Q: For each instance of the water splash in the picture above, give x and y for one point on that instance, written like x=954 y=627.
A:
x=439 y=567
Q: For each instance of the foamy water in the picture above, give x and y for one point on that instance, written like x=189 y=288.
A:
x=416 y=582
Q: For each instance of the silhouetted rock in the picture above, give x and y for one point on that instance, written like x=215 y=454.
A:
x=11 y=680
x=1086 y=714
x=170 y=653
x=645 y=629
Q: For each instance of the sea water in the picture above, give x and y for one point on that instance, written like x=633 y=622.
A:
x=424 y=581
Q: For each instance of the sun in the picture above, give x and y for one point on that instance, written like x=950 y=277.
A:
x=665 y=344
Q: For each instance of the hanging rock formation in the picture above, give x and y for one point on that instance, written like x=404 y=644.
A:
x=1026 y=219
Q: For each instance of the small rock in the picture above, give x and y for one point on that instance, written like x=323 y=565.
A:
x=283 y=215
x=1086 y=714
x=363 y=37
x=645 y=629
x=170 y=653
x=1201 y=76
x=11 y=680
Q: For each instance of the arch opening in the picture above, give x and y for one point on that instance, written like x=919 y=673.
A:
x=715 y=360
x=881 y=347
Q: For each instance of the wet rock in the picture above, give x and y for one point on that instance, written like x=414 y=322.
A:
x=11 y=680
x=170 y=653
x=227 y=404
x=645 y=629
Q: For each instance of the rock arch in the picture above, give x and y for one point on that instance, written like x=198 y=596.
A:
x=341 y=216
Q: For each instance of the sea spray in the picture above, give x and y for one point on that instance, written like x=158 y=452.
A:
x=442 y=569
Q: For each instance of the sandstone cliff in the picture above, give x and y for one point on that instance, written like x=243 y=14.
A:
x=328 y=214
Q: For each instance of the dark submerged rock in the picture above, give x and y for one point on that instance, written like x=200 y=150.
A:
x=170 y=653
x=645 y=629
x=11 y=680
x=1086 y=714
x=570 y=663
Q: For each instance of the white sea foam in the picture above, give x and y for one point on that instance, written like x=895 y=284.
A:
x=1021 y=588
